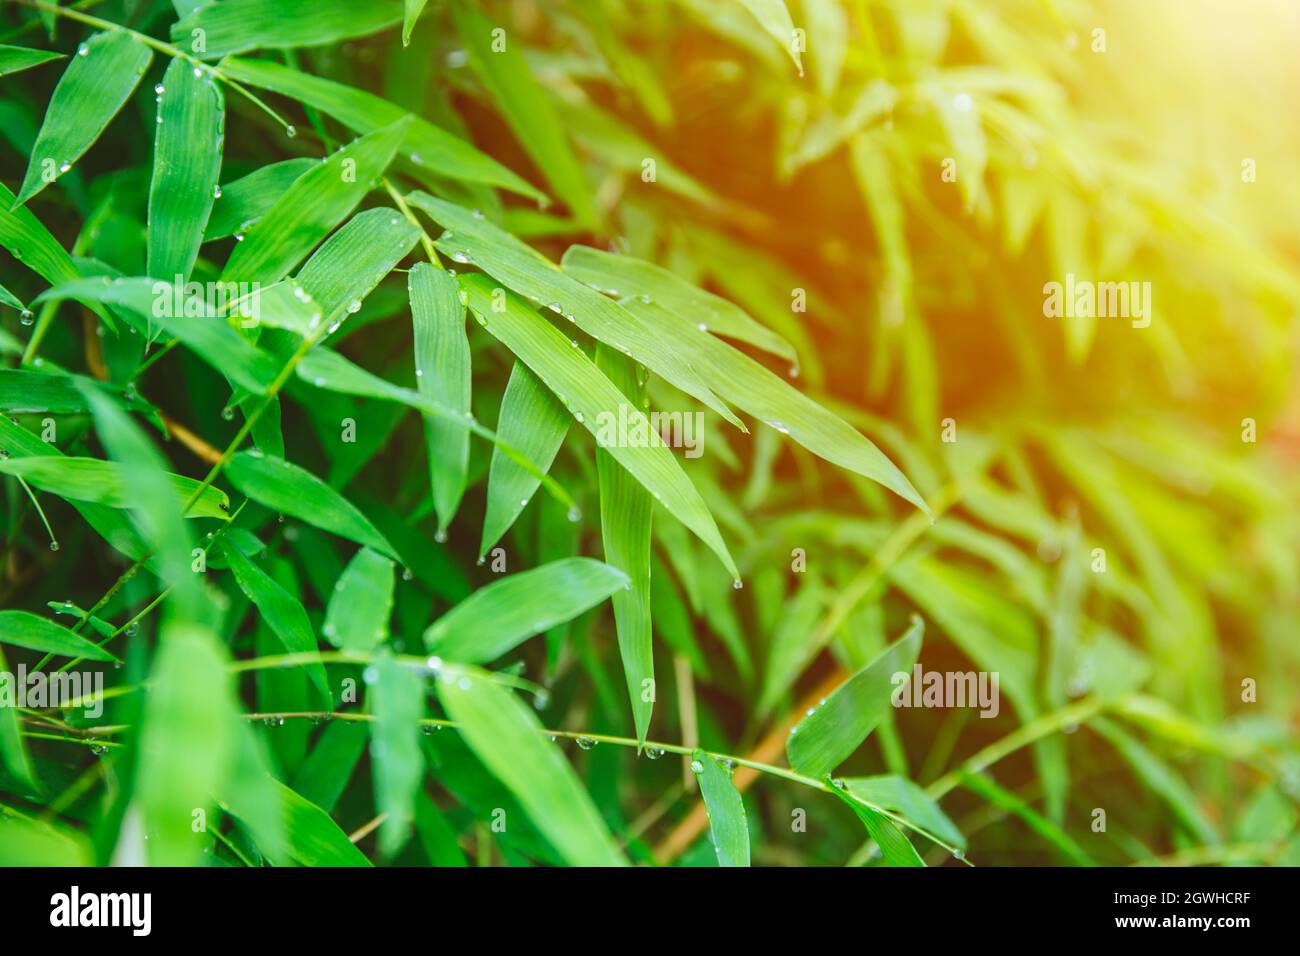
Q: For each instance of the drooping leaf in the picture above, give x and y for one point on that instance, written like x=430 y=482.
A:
x=282 y=612
x=188 y=143
x=310 y=836
x=503 y=614
x=396 y=696
x=533 y=420
x=597 y=405
x=95 y=85
x=13 y=59
x=287 y=488
x=902 y=796
x=410 y=14
x=893 y=843
x=999 y=796
x=442 y=371
x=506 y=736
x=626 y=510
x=728 y=822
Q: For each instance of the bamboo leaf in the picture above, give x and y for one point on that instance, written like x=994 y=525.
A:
x=285 y=487
x=359 y=607
x=14 y=59
x=186 y=168
x=313 y=205
x=96 y=84
x=30 y=243
x=626 y=510
x=507 y=737
x=823 y=739
x=893 y=843
x=310 y=837
x=902 y=796
x=521 y=268
x=526 y=107
x=589 y=394
x=282 y=612
x=396 y=696
x=442 y=371
x=533 y=420
x=728 y=822
x=23 y=629
x=233 y=26
x=13 y=750
x=425 y=146
x=1048 y=830
x=410 y=14
x=774 y=17
x=502 y=615
x=107 y=483
x=245 y=200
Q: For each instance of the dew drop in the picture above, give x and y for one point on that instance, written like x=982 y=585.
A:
x=697 y=767
x=737 y=584
x=291 y=131
x=26 y=317
x=160 y=89
x=54 y=546
x=574 y=514
x=216 y=192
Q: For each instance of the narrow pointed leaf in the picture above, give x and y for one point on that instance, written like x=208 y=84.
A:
x=728 y=822
x=774 y=17
x=626 y=510
x=245 y=200
x=500 y=616
x=23 y=629
x=96 y=84
x=533 y=420
x=442 y=370
x=233 y=26
x=285 y=487
x=359 y=607
x=822 y=740
x=411 y=14
x=186 y=168
x=107 y=483
x=589 y=394
x=396 y=696
x=506 y=735
x=425 y=146
x=893 y=843
x=16 y=58
x=312 y=206
x=902 y=796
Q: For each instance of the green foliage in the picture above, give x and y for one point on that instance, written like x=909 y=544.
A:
x=286 y=509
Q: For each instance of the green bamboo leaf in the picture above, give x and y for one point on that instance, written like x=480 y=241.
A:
x=361 y=603
x=329 y=767
x=534 y=421
x=16 y=58
x=521 y=268
x=13 y=750
x=595 y=402
x=506 y=735
x=284 y=487
x=153 y=303
x=36 y=843
x=728 y=822
x=626 y=510
x=778 y=404
x=524 y=103
x=442 y=372
x=351 y=262
x=310 y=837
x=23 y=629
x=11 y=300
x=186 y=742
x=1048 y=830
x=502 y=615
x=29 y=242
x=96 y=84
x=107 y=483
x=147 y=486
x=425 y=146
x=774 y=17
x=27 y=390
x=233 y=26
x=243 y=201
x=329 y=370
x=410 y=14
x=186 y=168
x=623 y=276
x=282 y=612
x=824 y=739
x=902 y=796
x=312 y=206
x=893 y=843
x=396 y=697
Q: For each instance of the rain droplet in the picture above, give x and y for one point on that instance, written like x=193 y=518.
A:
x=216 y=192
x=160 y=89
x=737 y=584
x=291 y=131
x=26 y=317
x=697 y=767
x=574 y=514
x=585 y=743
x=54 y=546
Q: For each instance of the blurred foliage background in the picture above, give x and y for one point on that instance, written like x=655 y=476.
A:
x=1117 y=533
